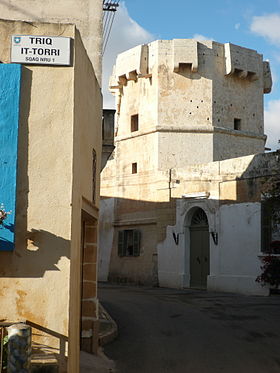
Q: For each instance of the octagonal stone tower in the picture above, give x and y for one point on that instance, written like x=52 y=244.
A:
x=184 y=102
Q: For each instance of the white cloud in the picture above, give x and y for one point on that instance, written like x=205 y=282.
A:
x=277 y=57
x=272 y=124
x=200 y=37
x=237 y=26
x=274 y=75
x=125 y=34
x=267 y=26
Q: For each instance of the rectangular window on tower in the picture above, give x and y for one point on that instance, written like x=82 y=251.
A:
x=237 y=124
x=129 y=242
x=134 y=168
x=134 y=122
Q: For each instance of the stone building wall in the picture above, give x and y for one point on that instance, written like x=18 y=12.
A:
x=41 y=278
x=87 y=16
x=184 y=111
x=231 y=192
x=187 y=93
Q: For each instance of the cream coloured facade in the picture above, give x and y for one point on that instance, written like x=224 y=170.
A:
x=49 y=279
x=230 y=193
x=185 y=111
x=86 y=15
x=186 y=93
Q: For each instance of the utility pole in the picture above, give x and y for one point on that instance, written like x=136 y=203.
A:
x=110 y=6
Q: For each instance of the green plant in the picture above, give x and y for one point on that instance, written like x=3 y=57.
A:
x=270 y=271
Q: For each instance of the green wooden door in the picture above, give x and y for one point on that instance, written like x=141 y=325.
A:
x=199 y=250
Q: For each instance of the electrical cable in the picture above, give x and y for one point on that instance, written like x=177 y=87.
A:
x=107 y=30
x=109 y=9
x=105 y=45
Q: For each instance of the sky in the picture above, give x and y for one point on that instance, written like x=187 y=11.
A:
x=253 y=24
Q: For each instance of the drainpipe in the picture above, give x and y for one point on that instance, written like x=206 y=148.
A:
x=170 y=179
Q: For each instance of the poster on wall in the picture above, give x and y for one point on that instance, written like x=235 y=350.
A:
x=40 y=50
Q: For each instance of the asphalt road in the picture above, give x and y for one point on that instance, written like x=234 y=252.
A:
x=188 y=331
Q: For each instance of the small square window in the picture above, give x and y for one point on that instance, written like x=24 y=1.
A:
x=129 y=242
x=134 y=122
x=237 y=124
x=134 y=168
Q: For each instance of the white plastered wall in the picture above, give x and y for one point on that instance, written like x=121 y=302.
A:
x=106 y=228
x=239 y=247
x=174 y=260
x=234 y=260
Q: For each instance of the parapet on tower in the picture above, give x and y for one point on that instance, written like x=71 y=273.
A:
x=189 y=102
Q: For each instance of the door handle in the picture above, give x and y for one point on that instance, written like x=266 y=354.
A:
x=198 y=259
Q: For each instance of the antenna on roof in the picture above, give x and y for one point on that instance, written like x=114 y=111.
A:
x=109 y=11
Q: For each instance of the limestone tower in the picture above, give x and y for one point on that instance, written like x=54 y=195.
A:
x=180 y=104
x=184 y=102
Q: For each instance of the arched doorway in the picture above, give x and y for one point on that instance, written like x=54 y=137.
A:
x=199 y=249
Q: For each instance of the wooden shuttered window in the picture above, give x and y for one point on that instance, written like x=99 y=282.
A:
x=129 y=241
x=136 y=242
x=271 y=226
x=121 y=250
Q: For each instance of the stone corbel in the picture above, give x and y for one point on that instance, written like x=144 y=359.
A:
x=185 y=52
x=242 y=74
x=267 y=79
x=122 y=80
x=243 y=63
x=132 y=75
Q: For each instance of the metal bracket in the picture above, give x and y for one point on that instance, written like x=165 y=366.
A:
x=215 y=237
x=176 y=237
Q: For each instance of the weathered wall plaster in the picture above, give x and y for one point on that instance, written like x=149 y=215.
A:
x=189 y=97
x=86 y=15
x=86 y=138
x=199 y=107
x=60 y=125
